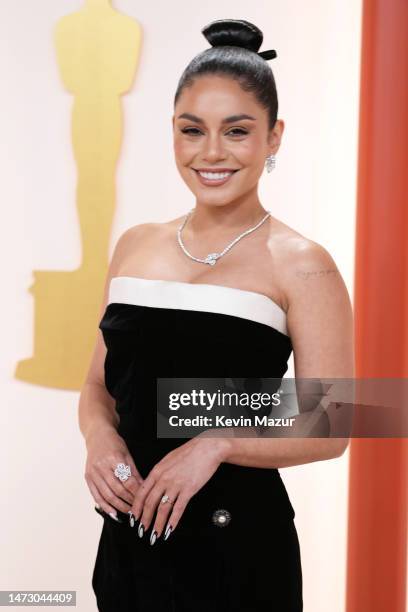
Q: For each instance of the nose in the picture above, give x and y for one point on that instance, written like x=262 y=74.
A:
x=213 y=148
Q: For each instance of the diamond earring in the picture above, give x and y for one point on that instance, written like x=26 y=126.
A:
x=270 y=163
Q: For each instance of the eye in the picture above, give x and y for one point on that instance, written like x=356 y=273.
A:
x=238 y=131
x=195 y=131
x=192 y=131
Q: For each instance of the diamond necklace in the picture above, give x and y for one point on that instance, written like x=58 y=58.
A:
x=211 y=258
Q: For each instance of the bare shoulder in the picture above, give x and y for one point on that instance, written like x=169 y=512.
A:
x=299 y=261
x=148 y=231
x=125 y=244
x=139 y=232
x=308 y=267
x=136 y=248
x=319 y=309
x=135 y=232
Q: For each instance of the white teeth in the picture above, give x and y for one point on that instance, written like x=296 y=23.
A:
x=215 y=176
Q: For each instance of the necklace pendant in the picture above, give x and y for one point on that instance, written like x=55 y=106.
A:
x=211 y=259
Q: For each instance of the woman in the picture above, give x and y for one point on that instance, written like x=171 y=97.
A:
x=205 y=523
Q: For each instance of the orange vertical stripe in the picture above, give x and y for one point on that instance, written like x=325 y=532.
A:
x=378 y=508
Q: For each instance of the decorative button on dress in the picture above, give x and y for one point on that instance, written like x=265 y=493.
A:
x=235 y=548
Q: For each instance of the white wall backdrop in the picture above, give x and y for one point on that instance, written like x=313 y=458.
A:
x=50 y=529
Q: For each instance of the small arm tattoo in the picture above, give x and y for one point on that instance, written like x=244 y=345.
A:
x=316 y=274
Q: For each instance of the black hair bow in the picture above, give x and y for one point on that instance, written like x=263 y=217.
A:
x=267 y=55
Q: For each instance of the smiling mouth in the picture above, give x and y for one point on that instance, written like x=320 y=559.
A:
x=214 y=178
x=214 y=172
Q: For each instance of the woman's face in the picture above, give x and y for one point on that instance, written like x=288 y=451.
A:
x=211 y=134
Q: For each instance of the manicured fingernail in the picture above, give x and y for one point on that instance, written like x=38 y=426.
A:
x=97 y=506
x=135 y=516
x=131 y=518
x=140 y=531
x=167 y=532
x=115 y=517
x=153 y=537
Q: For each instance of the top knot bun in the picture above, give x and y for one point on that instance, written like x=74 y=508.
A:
x=238 y=33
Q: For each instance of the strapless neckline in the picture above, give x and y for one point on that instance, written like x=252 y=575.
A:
x=159 y=280
x=243 y=302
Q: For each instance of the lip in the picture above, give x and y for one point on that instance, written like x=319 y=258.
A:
x=212 y=182
x=216 y=169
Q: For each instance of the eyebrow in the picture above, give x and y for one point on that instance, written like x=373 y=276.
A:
x=230 y=119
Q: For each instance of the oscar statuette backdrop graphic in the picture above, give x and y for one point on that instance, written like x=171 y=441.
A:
x=98 y=52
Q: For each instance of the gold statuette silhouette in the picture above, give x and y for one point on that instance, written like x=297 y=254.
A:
x=97 y=52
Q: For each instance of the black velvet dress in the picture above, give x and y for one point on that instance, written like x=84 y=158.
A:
x=159 y=328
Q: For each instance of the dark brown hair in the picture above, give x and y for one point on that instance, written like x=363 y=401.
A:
x=234 y=54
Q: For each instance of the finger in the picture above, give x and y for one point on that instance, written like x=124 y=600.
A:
x=109 y=495
x=119 y=487
x=133 y=483
x=151 y=503
x=163 y=511
x=125 y=489
x=141 y=494
x=128 y=460
x=177 y=512
x=102 y=503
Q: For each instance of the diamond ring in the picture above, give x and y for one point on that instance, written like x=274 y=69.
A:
x=122 y=471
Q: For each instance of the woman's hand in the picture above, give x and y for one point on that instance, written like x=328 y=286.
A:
x=179 y=474
x=106 y=448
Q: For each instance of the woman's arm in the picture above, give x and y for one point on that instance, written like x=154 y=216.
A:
x=274 y=452
x=96 y=410
x=320 y=324
x=99 y=420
